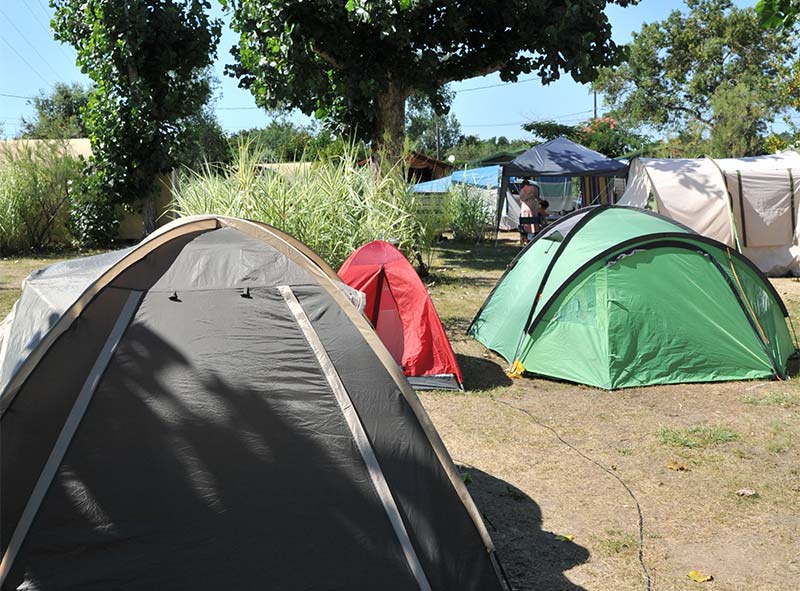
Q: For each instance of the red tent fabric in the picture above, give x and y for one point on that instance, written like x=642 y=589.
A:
x=400 y=309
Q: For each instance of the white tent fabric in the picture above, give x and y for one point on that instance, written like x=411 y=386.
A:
x=509 y=219
x=746 y=203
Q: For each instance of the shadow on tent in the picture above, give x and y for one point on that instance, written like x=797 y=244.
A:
x=532 y=558
x=205 y=454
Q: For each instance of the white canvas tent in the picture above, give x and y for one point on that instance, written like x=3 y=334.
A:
x=747 y=203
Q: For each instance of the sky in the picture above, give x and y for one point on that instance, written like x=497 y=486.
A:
x=32 y=61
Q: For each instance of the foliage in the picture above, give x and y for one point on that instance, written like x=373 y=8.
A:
x=694 y=69
x=432 y=133
x=468 y=213
x=354 y=63
x=58 y=113
x=286 y=141
x=93 y=219
x=778 y=13
x=741 y=116
x=333 y=205
x=148 y=60
x=604 y=134
x=775 y=143
x=36 y=185
x=202 y=140
x=471 y=149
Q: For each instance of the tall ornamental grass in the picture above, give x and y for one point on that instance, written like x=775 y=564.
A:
x=37 y=182
x=333 y=205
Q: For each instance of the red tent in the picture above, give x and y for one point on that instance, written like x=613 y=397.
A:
x=400 y=309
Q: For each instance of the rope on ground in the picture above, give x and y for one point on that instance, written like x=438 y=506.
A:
x=645 y=572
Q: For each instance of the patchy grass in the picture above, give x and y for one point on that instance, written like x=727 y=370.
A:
x=771 y=399
x=780 y=437
x=616 y=542
x=697 y=436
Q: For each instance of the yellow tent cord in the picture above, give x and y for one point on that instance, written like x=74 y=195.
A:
x=516 y=370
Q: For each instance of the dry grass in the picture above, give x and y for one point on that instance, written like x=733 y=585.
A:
x=535 y=492
x=741 y=434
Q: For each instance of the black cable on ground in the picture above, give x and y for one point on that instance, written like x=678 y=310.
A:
x=645 y=572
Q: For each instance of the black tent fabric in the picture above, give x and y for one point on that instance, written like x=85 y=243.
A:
x=212 y=412
x=563 y=157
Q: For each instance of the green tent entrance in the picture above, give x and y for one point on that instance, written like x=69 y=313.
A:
x=616 y=297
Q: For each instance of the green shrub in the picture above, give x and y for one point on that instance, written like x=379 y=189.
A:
x=37 y=182
x=333 y=205
x=469 y=215
x=93 y=219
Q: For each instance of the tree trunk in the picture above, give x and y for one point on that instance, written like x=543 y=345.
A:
x=390 y=125
x=149 y=214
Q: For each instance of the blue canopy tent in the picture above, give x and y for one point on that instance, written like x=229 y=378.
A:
x=562 y=157
x=487 y=177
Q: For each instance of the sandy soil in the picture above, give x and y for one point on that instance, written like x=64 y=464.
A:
x=532 y=488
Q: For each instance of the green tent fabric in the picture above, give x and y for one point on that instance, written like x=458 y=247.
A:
x=618 y=297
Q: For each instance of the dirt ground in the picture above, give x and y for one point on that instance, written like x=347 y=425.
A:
x=534 y=491
x=562 y=523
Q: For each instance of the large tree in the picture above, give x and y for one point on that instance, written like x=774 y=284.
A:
x=432 y=133
x=778 y=13
x=696 y=68
x=285 y=140
x=148 y=61
x=353 y=63
x=603 y=134
x=58 y=113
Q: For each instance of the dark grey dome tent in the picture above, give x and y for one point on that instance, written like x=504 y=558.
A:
x=208 y=410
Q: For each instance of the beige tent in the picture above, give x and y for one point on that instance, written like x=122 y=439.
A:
x=747 y=203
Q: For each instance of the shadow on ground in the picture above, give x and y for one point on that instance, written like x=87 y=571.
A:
x=480 y=257
x=481 y=374
x=533 y=559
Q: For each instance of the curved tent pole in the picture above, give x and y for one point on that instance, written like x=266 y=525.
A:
x=598 y=209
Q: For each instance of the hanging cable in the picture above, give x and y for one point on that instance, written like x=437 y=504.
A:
x=26 y=62
x=25 y=39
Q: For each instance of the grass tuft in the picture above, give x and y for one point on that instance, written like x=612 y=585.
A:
x=616 y=542
x=696 y=436
x=771 y=399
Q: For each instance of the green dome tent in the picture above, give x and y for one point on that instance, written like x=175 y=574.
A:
x=615 y=297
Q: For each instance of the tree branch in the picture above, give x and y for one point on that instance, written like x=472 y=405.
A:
x=327 y=57
x=491 y=68
x=694 y=113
